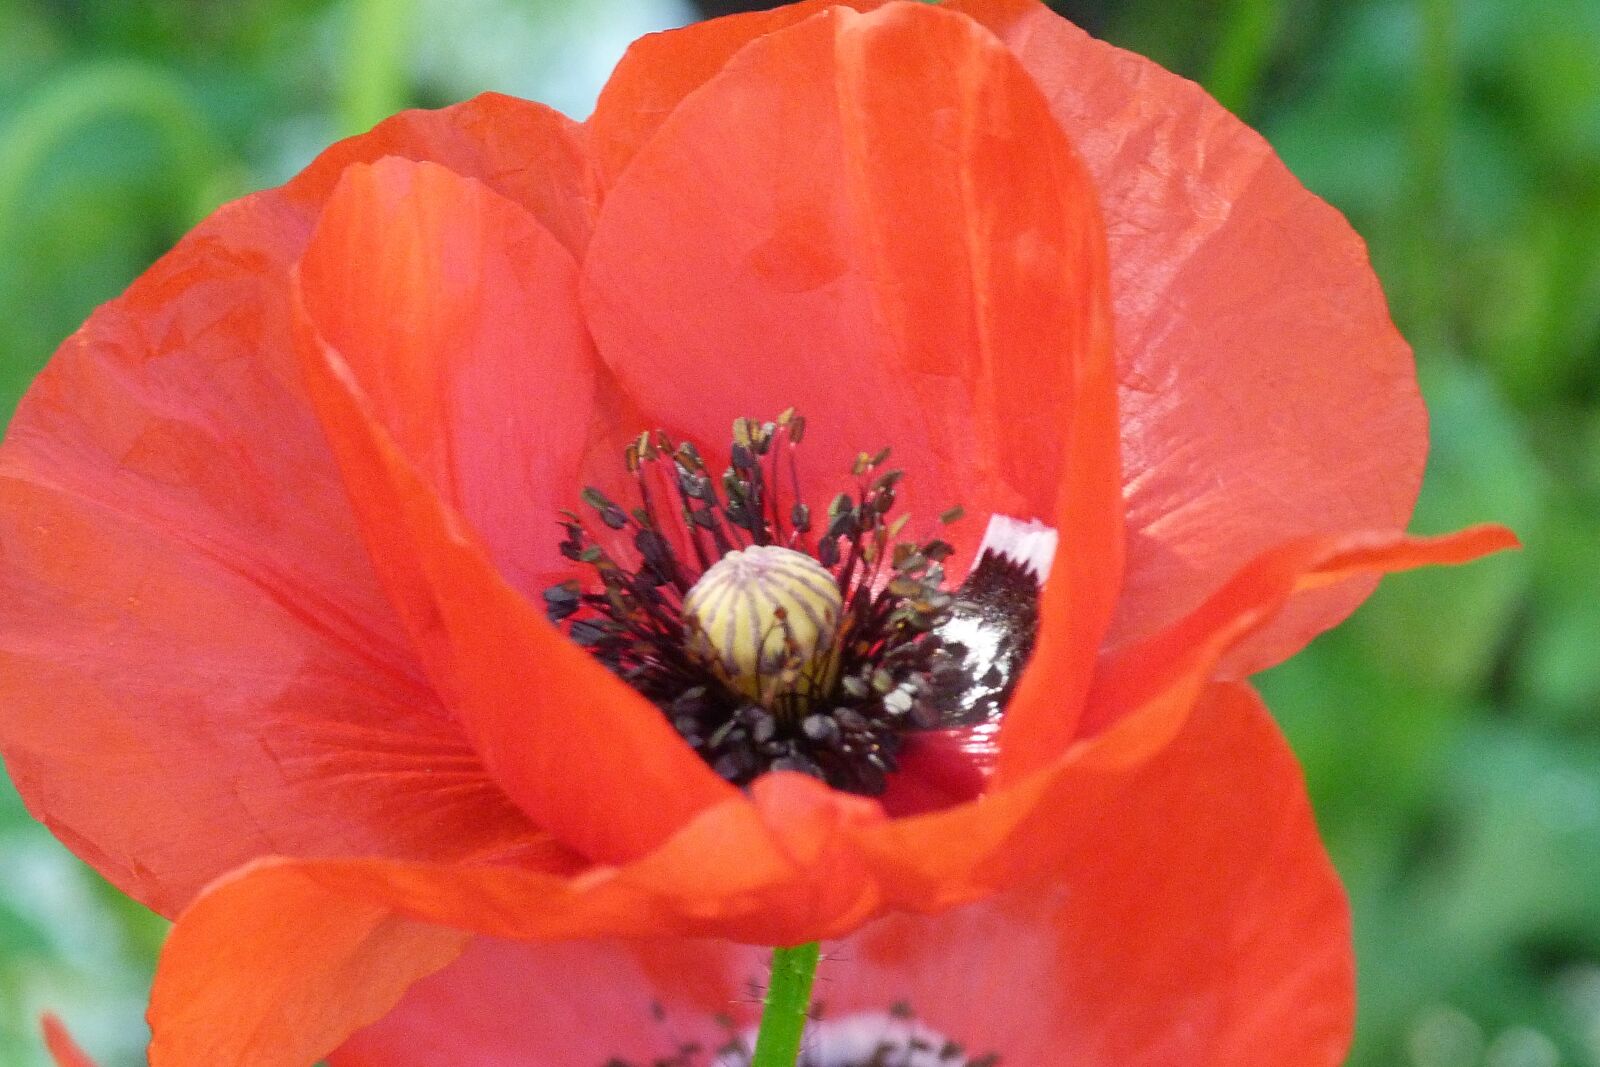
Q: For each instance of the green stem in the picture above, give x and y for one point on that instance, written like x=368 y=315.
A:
x=783 y=1017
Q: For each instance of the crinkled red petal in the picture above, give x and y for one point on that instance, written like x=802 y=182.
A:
x=583 y=753
x=199 y=666
x=1266 y=395
x=1144 y=688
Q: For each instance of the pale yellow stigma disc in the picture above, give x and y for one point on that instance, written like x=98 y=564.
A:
x=764 y=619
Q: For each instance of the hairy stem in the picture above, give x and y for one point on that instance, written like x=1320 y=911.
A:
x=783 y=1016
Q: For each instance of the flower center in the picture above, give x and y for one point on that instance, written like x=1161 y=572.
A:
x=771 y=642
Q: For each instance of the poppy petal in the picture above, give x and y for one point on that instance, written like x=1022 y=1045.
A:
x=198 y=665
x=1229 y=943
x=1085 y=580
x=58 y=1042
x=1226 y=943
x=1265 y=393
x=660 y=69
x=525 y=151
x=287 y=986
x=1144 y=689
x=255 y=973
x=919 y=270
x=611 y=781
x=505 y=1004
x=1145 y=695
x=457 y=315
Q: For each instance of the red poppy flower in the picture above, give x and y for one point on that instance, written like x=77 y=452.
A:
x=277 y=525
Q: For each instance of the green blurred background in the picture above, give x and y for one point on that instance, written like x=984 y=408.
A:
x=1451 y=731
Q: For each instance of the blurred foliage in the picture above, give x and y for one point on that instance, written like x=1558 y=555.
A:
x=1450 y=732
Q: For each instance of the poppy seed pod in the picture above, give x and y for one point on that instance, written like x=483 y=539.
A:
x=765 y=617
